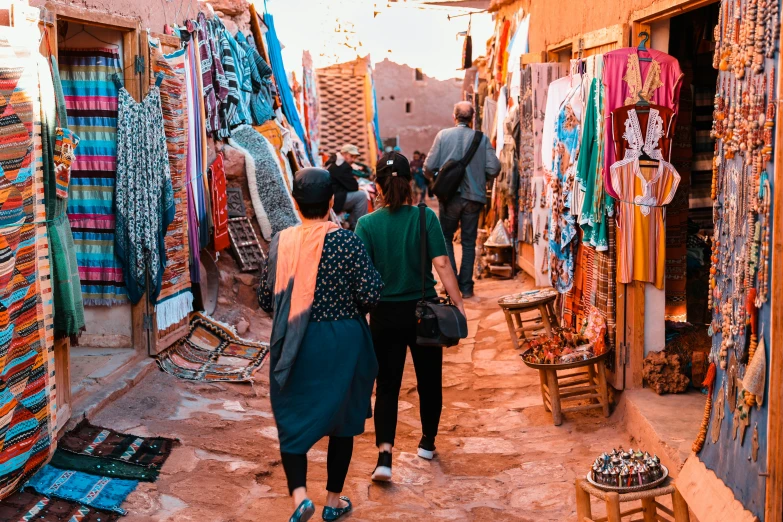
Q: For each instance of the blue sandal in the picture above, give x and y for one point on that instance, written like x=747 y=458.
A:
x=331 y=513
x=303 y=513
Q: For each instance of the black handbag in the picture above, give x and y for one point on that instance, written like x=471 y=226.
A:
x=438 y=321
x=451 y=174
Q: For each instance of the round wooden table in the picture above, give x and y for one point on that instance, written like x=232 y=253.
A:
x=514 y=306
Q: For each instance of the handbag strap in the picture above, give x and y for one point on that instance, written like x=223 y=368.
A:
x=477 y=135
x=423 y=249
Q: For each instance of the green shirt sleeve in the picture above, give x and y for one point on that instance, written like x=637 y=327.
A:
x=435 y=240
x=364 y=235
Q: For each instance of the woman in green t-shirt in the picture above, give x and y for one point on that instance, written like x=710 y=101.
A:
x=391 y=235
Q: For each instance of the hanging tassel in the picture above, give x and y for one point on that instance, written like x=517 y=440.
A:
x=709 y=382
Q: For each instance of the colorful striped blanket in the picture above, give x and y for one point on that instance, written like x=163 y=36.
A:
x=175 y=301
x=91 y=101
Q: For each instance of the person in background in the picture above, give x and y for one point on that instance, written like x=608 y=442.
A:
x=319 y=283
x=347 y=196
x=417 y=168
x=392 y=237
x=465 y=208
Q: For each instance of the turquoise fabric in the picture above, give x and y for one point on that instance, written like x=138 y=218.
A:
x=89 y=490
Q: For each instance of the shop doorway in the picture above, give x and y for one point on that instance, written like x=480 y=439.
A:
x=689 y=223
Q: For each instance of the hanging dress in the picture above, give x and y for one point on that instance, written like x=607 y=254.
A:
x=562 y=229
x=642 y=194
x=144 y=197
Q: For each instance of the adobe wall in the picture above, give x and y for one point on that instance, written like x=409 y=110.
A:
x=552 y=21
x=433 y=103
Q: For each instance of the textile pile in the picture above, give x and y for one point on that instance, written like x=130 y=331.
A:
x=212 y=351
x=92 y=473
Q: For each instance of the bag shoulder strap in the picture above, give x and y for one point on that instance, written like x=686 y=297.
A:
x=477 y=135
x=423 y=248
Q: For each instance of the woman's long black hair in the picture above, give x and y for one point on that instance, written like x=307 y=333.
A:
x=396 y=192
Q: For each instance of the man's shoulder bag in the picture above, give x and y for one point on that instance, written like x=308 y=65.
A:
x=438 y=321
x=452 y=172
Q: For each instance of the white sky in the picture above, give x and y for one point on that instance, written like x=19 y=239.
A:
x=338 y=30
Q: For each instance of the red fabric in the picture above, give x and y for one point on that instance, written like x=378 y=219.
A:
x=219 y=204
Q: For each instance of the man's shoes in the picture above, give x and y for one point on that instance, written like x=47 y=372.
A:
x=426 y=448
x=467 y=294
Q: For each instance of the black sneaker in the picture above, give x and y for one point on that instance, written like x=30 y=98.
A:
x=427 y=448
x=467 y=293
x=382 y=471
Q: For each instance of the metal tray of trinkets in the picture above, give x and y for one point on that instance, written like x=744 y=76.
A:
x=637 y=470
x=562 y=366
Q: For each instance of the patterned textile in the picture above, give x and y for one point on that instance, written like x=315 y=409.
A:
x=94 y=441
x=262 y=98
x=90 y=490
x=281 y=77
x=268 y=192
x=145 y=201
x=606 y=287
x=175 y=300
x=106 y=468
x=65 y=143
x=217 y=175
x=27 y=395
x=235 y=110
x=214 y=82
x=312 y=110
x=212 y=351
x=25 y=505
x=568 y=132
x=91 y=102
x=66 y=286
x=274 y=134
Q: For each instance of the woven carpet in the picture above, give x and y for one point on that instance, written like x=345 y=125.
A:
x=91 y=101
x=90 y=490
x=268 y=191
x=27 y=505
x=95 y=441
x=212 y=351
x=27 y=402
x=175 y=300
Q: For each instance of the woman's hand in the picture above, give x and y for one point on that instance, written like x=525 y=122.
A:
x=446 y=274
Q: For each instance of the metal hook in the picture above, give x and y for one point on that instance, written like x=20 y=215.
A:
x=646 y=38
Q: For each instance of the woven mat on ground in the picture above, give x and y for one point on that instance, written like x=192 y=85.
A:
x=91 y=490
x=104 y=443
x=105 y=467
x=212 y=351
x=28 y=505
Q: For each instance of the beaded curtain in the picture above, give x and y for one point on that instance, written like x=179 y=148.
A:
x=746 y=37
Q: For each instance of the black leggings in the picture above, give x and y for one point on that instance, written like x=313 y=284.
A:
x=338 y=459
x=393 y=326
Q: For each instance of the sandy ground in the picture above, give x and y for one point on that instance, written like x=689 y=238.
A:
x=500 y=457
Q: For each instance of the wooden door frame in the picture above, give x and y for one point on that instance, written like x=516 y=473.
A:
x=642 y=19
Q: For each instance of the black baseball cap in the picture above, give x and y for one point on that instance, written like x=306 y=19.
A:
x=312 y=186
x=393 y=164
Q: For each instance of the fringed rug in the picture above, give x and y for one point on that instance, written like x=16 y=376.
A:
x=91 y=101
x=28 y=505
x=271 y=198
x=90 y=490
x=212 y=351
x=94 y=441
x=175 y=300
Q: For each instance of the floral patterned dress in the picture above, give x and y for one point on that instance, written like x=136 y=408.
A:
x=562 y=228
x=143 y=195
x=335 y=367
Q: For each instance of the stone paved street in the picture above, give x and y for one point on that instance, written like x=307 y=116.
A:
x=501 y=459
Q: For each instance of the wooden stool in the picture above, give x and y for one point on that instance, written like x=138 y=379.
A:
x=650 y=506
x=545 y=305
x=587 y=382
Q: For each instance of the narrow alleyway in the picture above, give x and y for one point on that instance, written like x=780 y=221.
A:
x=501 y=459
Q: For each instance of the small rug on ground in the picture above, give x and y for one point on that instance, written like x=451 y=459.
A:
x=90 y=490
x=104 y=443
x=212 y=351
x=66 y=460
x=28 y=505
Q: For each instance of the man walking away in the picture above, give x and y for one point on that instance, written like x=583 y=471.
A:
x=465 y=207
x=347 y=196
